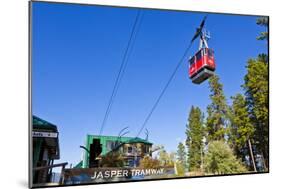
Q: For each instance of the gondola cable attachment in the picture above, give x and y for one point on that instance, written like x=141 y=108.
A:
x=202 y=64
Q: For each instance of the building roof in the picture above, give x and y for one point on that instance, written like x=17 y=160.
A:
x=39 y=123
x=125 y=140
x=137 y=140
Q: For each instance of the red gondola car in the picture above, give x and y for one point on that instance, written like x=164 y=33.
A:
x=202 y=65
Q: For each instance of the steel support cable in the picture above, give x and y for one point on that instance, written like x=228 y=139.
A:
x=130 y=51
x=164 y=89
x=127 y=59
x=121 y=70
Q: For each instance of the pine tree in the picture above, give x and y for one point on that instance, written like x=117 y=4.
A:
x=263 y=21
x=217 y=111
x=256 y=92
x=195 y=134
x=181 y=160
x=241 y=129
x=181 y=153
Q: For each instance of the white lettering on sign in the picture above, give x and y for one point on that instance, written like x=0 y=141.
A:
x=105 y=174
x=44 y=134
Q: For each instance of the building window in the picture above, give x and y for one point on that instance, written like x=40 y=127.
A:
x=130 y=149
x=130 y=163
x=146 y=149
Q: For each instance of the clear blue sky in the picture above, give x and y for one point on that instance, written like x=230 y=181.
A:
x=77 y=51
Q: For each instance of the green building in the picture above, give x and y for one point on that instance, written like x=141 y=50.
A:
x=45 y=139
x=132 y=149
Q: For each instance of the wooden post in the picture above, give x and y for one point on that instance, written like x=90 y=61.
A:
x=252 y=156
x=62 y=175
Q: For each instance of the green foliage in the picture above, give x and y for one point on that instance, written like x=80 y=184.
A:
x=149 y=163
x=263 y=21
x=256 y=87
x=263 y=36
x=217 y=111
x=256 y=92
x=263 y=58
x=181 y=153
x=112 y=159
x=165 y=158
x=195 y=134
x=221 y=160
x=241 y=129
x=180 y=168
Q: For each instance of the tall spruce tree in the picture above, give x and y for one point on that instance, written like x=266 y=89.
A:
x=256 y=91
x=257 y=96
x=195 y=134
x=181 y=153
x=217 y=111
x=241 y=130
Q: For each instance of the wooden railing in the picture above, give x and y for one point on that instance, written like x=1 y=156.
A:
x=53 y=166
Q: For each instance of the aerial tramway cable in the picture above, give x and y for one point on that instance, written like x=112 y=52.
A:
x=123 y=66
x=164 y=89
x=197 y=34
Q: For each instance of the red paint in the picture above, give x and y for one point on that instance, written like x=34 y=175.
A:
x=205 y=60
